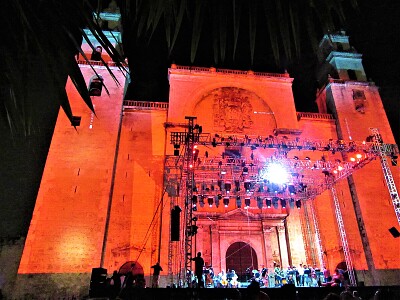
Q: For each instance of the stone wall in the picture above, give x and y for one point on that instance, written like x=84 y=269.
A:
x=10 y=254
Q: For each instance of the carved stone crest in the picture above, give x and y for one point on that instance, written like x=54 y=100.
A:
x=232 y=109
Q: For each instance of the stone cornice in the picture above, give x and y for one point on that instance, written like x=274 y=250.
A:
x=336 y=54
x=202 y=71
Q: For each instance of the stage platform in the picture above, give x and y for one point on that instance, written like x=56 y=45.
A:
x=286 y=292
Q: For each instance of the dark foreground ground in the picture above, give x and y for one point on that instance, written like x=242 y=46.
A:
x=286 y=292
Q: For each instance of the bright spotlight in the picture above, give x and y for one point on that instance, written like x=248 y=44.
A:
x=276 y=173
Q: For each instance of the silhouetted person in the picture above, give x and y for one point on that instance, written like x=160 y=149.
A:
x=198 y=269
x=346 y=295
x=332 y=296
x=253 y=291
x=383 y=294
x=115 y=284
x=156 y=275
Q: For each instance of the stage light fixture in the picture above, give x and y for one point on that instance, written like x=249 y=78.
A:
x=292 y=189
x=95 y=85
x=283 y=203
x=194 y=199
x=291 y=203
x=201 y=202
x=219 y=197
x=275 y=203
x=228 y=186
x=237 y=185
x=326 y=173
x=259 y=202
x=226 y=201
x=275 y=188
x=221 y=184
x=247 y=185
x=193 y=230
x=298 y=204
x=247 y=202
x=268 y=202
x=245 y=170
x=238 y=202
x=393 y=158
x=210 y=201
x=303 y=186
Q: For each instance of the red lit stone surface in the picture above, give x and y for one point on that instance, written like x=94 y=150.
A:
x=67 y=228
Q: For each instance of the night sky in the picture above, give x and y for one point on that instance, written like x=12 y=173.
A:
x=373 y=33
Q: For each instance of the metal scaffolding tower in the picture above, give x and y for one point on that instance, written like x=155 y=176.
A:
x=191 y=139
x=380 y=147
x=343 y=238
x=309 y=233
x=310 y=177
x=317 y=235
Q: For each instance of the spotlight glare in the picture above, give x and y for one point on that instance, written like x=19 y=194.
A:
x=276 y=173
x=352 y=159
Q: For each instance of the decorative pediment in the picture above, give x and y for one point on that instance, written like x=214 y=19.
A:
x=240 y=214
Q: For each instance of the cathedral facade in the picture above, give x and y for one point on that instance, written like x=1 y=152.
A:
x=110 y=184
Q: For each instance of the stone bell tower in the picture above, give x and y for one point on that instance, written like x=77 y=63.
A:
x=357 y=107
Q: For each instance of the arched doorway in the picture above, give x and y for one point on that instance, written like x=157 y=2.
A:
x=240 y=257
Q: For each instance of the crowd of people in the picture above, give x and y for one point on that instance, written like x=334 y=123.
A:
x=301 y=276
x=124 y=286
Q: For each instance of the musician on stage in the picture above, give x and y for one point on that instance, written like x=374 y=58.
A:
x=209 y=276
x=278 y=275
x=234 y=280
x=264 y=271
x=223 y=282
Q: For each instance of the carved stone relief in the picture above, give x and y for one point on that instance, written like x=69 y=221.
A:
x=232 y=110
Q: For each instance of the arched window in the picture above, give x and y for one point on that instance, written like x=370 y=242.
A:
x=352 y=74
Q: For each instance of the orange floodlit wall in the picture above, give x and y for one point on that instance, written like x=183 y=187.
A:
x=117 y=159
x=67 y=227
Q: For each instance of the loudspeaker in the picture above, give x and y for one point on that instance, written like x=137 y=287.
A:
x=98 y=285
x=394 y=232
x=175 y=223
x=95 y=86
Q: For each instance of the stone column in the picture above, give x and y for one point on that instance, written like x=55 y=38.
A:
x=283 y=246
x=216 y=248
x=267 y=247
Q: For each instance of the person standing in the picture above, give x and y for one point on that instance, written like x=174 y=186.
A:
x=300 y=270
x=198 y=269
x=115 y=284
x=327 y=275
x=156 y=275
